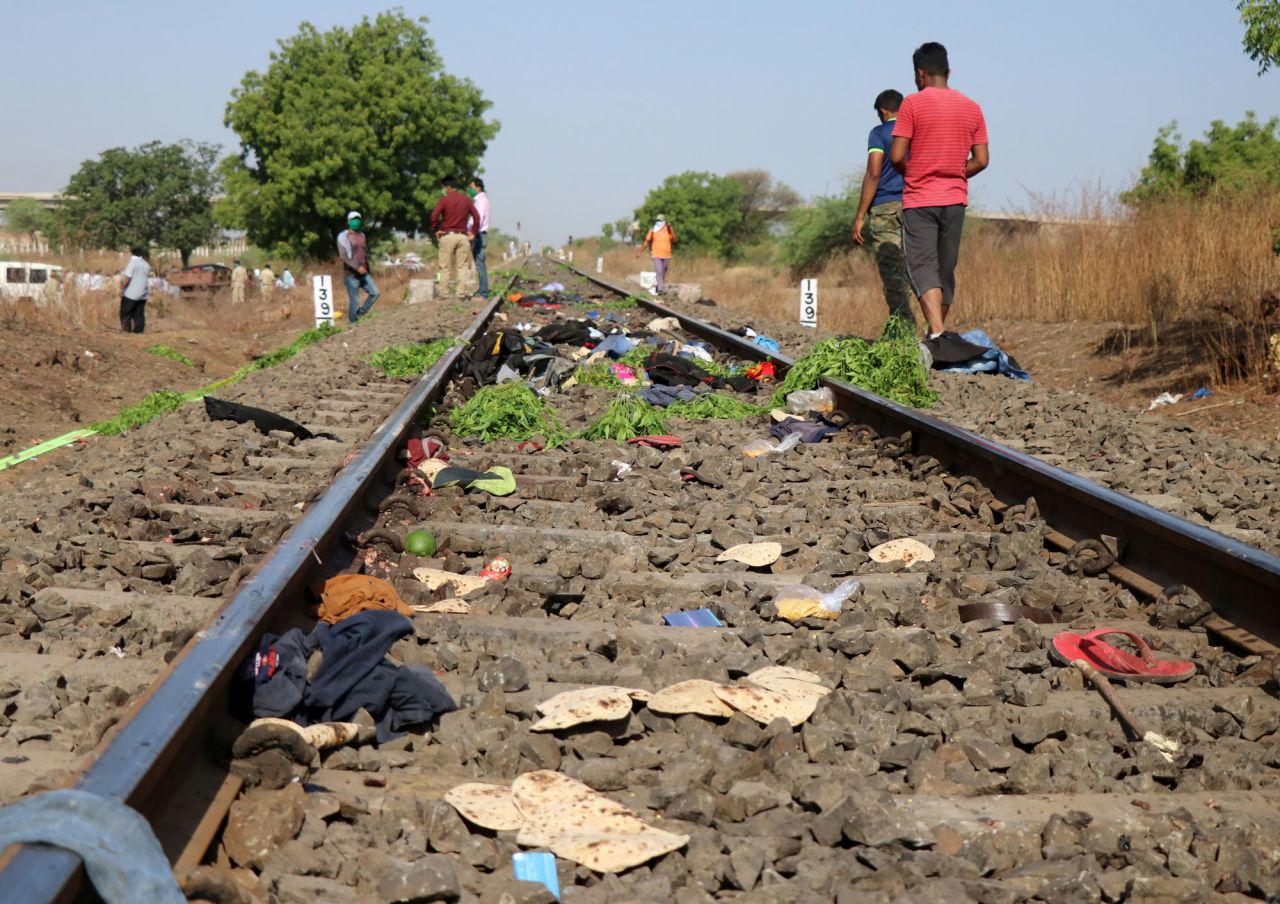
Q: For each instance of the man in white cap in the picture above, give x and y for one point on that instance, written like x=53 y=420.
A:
x=354 y=252
x=660 y=238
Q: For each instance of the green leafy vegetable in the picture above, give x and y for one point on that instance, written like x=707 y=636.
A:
x=599 y=374
x=714 y=406
x=165 y=351
x=890 y=367
x=137 y=414
x=508 y=411
x=411 y=360
x=626 y=416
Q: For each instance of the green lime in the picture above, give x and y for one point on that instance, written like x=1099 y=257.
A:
x=420 y=543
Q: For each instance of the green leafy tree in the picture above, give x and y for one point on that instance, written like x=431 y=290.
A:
x=763 y=203
x=156 y=194
x=1244 y=157
x=28 y=215
x=363 y=119
x=1261 y=20
x=704 y=210
x=817 y=232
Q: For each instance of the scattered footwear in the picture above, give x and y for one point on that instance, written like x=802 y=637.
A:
x=1115 y=662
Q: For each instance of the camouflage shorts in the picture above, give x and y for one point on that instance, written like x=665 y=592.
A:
x=882 y=231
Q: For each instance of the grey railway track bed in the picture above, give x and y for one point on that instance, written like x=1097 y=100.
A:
x=952 y=761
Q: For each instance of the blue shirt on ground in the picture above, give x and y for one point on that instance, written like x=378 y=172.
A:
x=890 y=187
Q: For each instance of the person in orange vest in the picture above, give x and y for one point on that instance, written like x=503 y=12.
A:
x=660 y=239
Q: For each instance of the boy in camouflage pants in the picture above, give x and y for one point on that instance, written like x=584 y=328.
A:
x=879 y=219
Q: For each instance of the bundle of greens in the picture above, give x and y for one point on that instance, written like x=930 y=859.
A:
x=165 y=351
x=889 y=367
x=626 y=416
x=507 y=411
x=598 y=374
x=714 y=406
x=411 y=360
x=137 y=414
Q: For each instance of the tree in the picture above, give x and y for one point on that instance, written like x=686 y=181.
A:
x=28 y=215
x=365 y=119
x=1244 y=157
x=763 y=203
x=1261 y=20
x=817 y=232
x=704 y=210
x=156 y=194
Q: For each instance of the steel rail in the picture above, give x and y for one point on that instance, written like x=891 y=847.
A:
x=1240 y=582
x=152 y=738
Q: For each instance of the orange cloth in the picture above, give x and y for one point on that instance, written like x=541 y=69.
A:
x=662 y=241
x=348 y=594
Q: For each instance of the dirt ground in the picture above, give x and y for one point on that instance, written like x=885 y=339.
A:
x=57 y=375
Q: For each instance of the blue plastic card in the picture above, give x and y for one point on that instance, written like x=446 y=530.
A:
x=537 y=866
x=693 y=618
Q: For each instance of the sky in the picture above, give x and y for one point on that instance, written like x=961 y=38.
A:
x=600 y=101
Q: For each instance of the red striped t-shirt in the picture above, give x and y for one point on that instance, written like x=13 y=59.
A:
x=943 y=126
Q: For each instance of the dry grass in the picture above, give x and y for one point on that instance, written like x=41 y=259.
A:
x=98 y=311
x=1204 y=266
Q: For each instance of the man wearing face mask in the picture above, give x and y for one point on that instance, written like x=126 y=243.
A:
x=354 y=251
x=660 y=239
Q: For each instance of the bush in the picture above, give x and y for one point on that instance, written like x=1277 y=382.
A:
x=818 y=232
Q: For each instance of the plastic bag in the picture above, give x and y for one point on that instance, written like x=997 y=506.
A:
x=758 y=447
x=803 y=401
x=802 y=601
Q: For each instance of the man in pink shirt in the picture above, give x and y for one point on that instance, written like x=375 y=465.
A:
x=481 y=241
x=939 y=144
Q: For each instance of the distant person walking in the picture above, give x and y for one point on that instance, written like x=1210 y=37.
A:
x=135 y=280
x=481 y=241
x=267 y=283
x=939 y=144
x=449 y=222
x=353 y=248
x=879 y=219
x=286 y=280
x=660 y=239
x=239 y=276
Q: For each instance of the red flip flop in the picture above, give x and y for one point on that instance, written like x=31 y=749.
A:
x=1114 y=662
x=657 y=441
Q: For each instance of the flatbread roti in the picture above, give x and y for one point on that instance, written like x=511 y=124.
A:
x=532 y=791
x=906 y=550
x=608 y=853
x=462 y=584
x=765 y=705
x=697 y=696
x=757 y=555
x=451 y=606
x=488 y=806
x=577 y=707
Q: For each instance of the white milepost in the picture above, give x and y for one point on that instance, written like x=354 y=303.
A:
x=809 y=303
x=322 y=295
x=599 y=264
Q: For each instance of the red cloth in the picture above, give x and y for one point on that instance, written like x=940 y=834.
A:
x=451 y=213
x=943 y=126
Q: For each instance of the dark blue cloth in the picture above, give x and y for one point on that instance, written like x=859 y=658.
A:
x=993 y=360
x=810 y=431
x=275 y=677
x=890 y=187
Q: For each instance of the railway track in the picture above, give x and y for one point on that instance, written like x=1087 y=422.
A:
x=952 y=760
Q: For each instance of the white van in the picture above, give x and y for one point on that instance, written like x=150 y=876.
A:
x=19 y=279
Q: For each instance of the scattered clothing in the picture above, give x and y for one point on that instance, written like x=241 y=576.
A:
x=657 y=441
x=768 y=343
x=497 y=481
x=990 y=359
x=951 y=348
x=808 y=431
x=347 y=594
x=662 y=396
x=265 y=421
x=353 y=674
x=428 y=447
x=552 y=287
x=121 y=855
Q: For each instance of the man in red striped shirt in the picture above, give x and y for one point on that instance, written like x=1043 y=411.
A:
x=939 y=144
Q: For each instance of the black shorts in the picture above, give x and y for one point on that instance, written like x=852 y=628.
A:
x=931 y=244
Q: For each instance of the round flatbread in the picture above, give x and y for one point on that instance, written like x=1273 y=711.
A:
x=769 y=673
x=757 y=555
x=488 y=806
x=431 y=467
x=532 y=791
x=697 y=696
x=588 y=704
x=906 y=550
x=462 y=584
x=450 y=607
x=609 y=853
x=593 y=813
x=765 y=705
